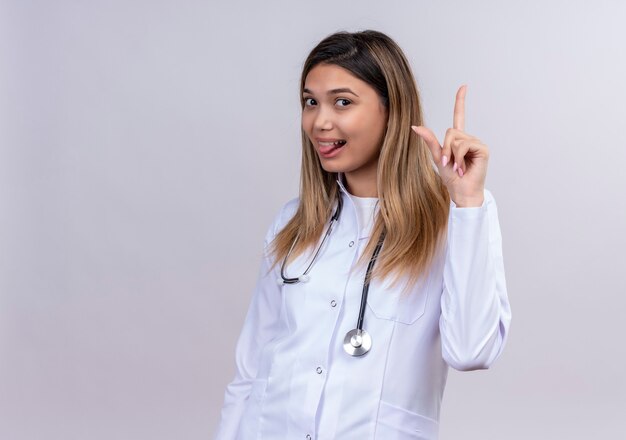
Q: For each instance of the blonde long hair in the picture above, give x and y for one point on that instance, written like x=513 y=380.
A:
x=414 y=202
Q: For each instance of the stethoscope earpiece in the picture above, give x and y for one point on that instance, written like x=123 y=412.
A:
x=300 y=279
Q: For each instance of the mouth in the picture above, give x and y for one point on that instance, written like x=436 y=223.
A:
x=330 y=145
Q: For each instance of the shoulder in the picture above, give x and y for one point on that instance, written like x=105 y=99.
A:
x=282 y=217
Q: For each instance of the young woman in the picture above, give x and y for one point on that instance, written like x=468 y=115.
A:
x=385 y=271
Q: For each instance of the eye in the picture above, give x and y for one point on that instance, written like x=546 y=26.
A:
x=342 y=102
x=308 y=102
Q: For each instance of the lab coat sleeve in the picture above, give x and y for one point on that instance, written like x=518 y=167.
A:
x=259 y=327
x=475 y=311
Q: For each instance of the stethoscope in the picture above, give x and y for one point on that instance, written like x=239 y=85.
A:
x=357 y=341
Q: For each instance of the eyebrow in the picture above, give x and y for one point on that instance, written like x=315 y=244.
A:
x=334 y=91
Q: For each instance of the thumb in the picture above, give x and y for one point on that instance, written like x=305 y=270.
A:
x=431 y=140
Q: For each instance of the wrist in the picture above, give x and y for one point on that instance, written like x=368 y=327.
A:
x=469 y=202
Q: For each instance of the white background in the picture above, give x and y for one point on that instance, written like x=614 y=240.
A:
x=145 y=147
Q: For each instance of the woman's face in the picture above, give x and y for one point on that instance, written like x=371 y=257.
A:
x=345 y=120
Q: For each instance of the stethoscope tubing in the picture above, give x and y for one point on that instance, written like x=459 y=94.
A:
x=357 y=341
x=366 y=283
x=296 y=280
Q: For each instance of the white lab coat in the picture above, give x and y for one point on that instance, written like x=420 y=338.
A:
x=293 y=379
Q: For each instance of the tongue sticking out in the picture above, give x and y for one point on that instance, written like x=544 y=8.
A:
x=325 y=149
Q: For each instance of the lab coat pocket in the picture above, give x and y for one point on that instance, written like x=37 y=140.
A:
x=396 y=423
x=249 y=426
x=389 y=303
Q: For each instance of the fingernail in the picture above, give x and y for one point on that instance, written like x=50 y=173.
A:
x=444 y=160
x=454 y=167
x=460 y=171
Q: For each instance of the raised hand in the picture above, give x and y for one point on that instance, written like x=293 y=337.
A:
x=462 y=161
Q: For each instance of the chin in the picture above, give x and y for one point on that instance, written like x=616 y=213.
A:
x=332 y=167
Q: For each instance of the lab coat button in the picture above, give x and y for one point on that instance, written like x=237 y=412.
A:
x=308 y=437
x=333 y=303
x=351 y=244
x=319 y=370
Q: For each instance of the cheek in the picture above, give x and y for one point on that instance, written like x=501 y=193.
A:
x=376 y=125
x=356 y=125
x=366 y=126
x=307 y=123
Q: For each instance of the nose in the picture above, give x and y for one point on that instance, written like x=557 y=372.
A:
x=323 y=120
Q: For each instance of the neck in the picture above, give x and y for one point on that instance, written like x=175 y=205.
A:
x=362 y=183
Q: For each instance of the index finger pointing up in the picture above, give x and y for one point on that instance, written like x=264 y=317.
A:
x=459 y=109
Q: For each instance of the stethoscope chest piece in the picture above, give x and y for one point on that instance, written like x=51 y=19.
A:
x=357 y=342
